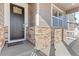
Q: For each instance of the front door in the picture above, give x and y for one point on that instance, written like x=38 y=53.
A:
x=16 y=22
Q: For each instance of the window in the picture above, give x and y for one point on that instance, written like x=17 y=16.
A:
x=64 y=22
x=60 y=22
x=55 y=22
x=60 y=14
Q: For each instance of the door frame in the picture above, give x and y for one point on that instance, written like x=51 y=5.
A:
x=7 y=19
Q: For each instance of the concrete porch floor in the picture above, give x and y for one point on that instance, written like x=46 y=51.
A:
x=24 y=49
x=61 y=50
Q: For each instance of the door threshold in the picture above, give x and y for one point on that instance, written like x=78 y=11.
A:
x=18 y=40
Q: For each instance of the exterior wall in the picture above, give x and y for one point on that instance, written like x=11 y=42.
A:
x=43 y=30
x=2 y=37
x=69 y=33
x=57 y=31
x=45 y=14
x=32 y=11
x=1 y=14
x=30 y=33
x=39 y=32
x=66 y=32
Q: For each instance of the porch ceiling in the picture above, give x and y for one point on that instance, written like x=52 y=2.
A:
x=68 y=7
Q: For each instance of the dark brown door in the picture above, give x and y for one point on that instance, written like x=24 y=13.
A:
x=16 y=22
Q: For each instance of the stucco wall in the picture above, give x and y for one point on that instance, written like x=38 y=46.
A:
x=41 y=12
x=32 y=11
x=1 y=14
x=44 y=14
x=2 y=24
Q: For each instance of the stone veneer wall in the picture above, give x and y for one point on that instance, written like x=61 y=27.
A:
x=30 y=33
x=2 y=37
x=44 y=37
x=6 y=32
x=1 y=14
x=41 y=37
x=58 y=35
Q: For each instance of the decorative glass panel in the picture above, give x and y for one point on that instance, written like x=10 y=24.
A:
x=17 y=10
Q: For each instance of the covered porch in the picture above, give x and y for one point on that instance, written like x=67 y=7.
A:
x=48 y=28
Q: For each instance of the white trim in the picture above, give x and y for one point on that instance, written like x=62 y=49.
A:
x=51 y=15
x=68 y=21
x=16 y=40
x=26 y=20
x=71 y=38
x=53 y=5
x=70 y=31
x=37 y=15
x=7 y=18
x=9 y=23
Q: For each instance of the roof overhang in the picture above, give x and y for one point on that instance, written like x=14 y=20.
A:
x=68 y=7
